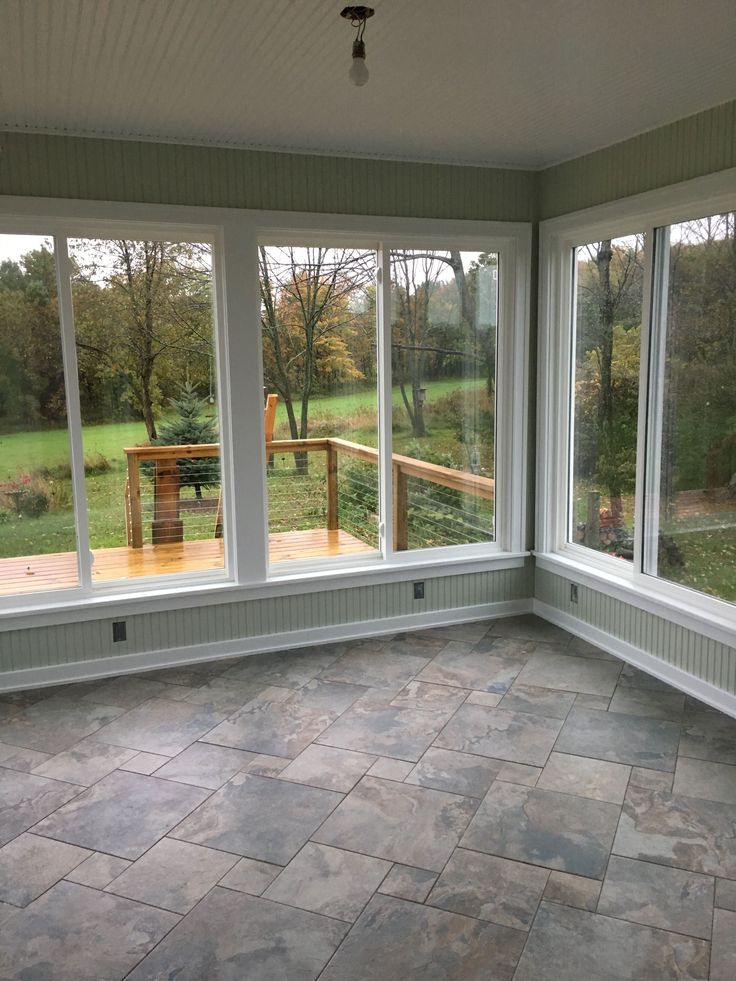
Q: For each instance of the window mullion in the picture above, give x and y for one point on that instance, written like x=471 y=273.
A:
x=385 y=403
x=74 y=410
x=651 y=404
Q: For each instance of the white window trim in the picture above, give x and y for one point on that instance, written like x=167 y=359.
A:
x=236 y=235
x=643 y=213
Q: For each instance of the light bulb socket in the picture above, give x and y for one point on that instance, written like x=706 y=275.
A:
x=359 y=49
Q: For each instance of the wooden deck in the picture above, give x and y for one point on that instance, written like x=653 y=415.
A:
x=34 y=573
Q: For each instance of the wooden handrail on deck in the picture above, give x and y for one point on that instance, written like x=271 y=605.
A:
x=403 y=467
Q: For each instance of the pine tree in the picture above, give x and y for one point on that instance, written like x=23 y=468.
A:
x=190 y=425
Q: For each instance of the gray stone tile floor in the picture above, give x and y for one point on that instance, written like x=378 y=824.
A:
x=493 y=800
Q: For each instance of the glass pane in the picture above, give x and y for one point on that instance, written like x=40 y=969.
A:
x=443 y=357
x=145 y=339
x=697 y=488
x=318 y=318
x=37 y=528
x=607 y=321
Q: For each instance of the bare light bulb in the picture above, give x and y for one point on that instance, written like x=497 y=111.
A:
x=358 y=73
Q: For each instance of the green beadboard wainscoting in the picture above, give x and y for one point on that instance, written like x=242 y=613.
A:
x=81 y=649
x=691 y=147
x=164 y=173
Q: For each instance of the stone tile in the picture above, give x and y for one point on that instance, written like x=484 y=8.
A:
x=686 y=832
x=268 y=766
x=329 y=881
x=652 y=704
x=456 y=773
x=651 y=779
x=490 y=888
x=17 y=758
x=568 y=673
x=291 y=669
x=530 y=627
x=461 y=666
x=537 y=701
x=203 y=765
x=572 y=890
x=468 y=633
x=375 y=668
x=407 y=882
x=670 y=899
x=73 y=933
x=29 y=865
x=398 y=822
x=98 y=870
x=224 y=695
x=232 y=936
x=56 y=723
x=331 y=695
x=173 y=875
x=85 y=763
x=259 y=817
x=723 y=956
x=620 y=738
x=123 y=814
x=422 y=643
x=726 y=894
x=708 y=736
x=580 y=946
x=160 y=726
x=514 y=736
x=700 y=778
x=26 y=798
x=600 y=702
x=584 y=648
x=250 y=876
x=632 y=677
x=145 y=763
x=520 y=773
x=394 y=940
x=192 y=675
x=428 y=698
x=486 y=698
x=328 y=768
x=6 y=911
x=571 y=834
x=508 y=646
x=390 y=769
x=585 y=777
x=277 y=728
x=383 y=730
x=127 y=691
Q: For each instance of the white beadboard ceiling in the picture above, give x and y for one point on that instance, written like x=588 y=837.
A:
x=520 y=83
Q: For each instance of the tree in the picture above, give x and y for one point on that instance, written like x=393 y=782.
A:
x=191 y=426
x=307 y=322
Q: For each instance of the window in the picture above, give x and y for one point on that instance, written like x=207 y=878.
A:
x=195 y=399
x=638 y=407
x=443 y=362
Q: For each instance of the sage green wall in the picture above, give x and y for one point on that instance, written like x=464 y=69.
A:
x=85 y=641
x=162 y=173
x=707 y=659
x=691 y=147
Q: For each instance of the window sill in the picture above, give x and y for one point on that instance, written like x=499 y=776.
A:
x=717 y=623
x=179 y=596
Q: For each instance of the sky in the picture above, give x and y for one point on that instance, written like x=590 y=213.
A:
x=14 y=246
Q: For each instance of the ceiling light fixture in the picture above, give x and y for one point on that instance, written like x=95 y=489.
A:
x=357 y=16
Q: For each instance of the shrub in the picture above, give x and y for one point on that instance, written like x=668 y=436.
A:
x=28 y=496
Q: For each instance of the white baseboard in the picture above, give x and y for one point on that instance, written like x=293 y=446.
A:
x=103 y=667
x=682 y=680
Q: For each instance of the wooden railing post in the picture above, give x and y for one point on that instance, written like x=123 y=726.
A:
x=592 y=536
x=134 y=490
x=167 y=526
x=332 y=502
x=401 y=509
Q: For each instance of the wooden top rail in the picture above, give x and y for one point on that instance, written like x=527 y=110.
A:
x=460 y=480
x=468 y=483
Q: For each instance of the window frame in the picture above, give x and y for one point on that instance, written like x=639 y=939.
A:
x=236 y=235
x=645 y=213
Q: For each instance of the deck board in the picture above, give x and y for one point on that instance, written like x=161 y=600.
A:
x=36 y=573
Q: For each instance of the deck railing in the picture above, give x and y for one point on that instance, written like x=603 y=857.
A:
x=166 y=522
